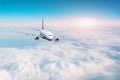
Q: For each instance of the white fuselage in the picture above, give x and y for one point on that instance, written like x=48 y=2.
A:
x=46 y=34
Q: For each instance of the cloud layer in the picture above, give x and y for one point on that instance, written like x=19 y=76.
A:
x=68 y=60
x=62 y=21
x=87 y=54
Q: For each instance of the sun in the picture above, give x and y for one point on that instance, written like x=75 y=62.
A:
x=87 y=22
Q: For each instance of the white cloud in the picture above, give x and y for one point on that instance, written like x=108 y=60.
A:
x=87 y=55
x=61 y=61
x=5 y=75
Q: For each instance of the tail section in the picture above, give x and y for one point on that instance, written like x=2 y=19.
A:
x=42 y=23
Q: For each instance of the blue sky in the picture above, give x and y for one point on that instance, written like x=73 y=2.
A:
x=59 y=7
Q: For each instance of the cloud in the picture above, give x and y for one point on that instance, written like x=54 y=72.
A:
x=87 y=54
x=62 y=22
x=5 y=75
x=60 y=61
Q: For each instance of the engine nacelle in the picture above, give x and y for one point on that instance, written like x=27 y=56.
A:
x=36 y=38
x=57 y=38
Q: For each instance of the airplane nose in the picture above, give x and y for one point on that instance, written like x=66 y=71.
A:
x=50 y=37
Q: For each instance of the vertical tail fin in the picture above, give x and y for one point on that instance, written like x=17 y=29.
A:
x=42 y=23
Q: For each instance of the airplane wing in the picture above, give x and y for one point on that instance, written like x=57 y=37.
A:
x=26 y=33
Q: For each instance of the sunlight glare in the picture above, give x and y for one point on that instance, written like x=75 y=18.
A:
x=87 y=22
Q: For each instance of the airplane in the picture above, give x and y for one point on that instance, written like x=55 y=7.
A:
x=44 y=33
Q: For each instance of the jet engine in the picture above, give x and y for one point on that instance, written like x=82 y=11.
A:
x=36 y=38
x=57 y=39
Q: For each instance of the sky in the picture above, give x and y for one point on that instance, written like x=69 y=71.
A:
x=52 y=8
x=60 y=12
